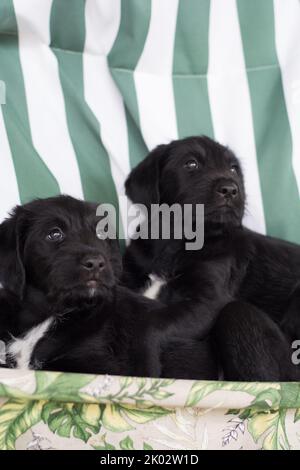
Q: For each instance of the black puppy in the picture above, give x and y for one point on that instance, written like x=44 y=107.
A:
x=257 y=277
x=61 y=305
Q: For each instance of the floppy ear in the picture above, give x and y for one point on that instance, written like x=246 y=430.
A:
x=12 y=271
x=142 y=185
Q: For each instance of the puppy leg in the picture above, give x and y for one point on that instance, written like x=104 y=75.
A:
x=251 y=347
x=9 y=310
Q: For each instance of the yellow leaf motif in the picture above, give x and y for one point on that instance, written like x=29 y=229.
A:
x=113 y=420
x=145 y=414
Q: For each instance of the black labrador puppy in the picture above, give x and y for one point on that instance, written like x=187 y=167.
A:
x=253 y=280
x=61 y=304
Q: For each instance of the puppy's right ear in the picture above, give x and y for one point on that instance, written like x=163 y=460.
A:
x=142 y=185
x=12 y=271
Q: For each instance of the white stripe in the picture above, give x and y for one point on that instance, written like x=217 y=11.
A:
x=102 y=95
x=153 y=76
x=230 y=101
x=9 y=193
x=287 y=37
x=46 y=107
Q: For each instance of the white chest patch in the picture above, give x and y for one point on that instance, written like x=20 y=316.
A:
x=153 y=290
x=20 y=349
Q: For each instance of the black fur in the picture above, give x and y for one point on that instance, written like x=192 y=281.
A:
x=254 y=276
x=96 y=320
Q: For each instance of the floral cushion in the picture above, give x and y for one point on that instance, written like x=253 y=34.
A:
x=83 y=102
x=51 y=410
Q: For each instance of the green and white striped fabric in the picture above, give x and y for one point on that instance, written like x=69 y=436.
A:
x=92 y=85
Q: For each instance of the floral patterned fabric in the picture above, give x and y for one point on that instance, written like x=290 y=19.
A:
x=52 y=410
x=82 y=106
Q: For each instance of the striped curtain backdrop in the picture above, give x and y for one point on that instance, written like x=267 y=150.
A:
x=91 y=85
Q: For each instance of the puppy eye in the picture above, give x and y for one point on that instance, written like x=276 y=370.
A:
x=234 y=168
x=55 y=235
x=191 y=164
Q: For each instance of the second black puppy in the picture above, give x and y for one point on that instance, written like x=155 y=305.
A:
x=255 y=277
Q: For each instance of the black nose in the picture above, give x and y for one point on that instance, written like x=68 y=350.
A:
x=93 y=263
x=228 y=190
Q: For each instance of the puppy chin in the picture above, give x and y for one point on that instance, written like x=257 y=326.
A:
x=81 y=296
x=223 y=219
x=98 y=293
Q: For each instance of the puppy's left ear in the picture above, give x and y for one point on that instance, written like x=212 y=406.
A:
x=116 y=259
x=12 y=271
x=142 y=185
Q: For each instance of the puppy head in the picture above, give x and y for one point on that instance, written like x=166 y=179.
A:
x=51 y=245
x=195 y=170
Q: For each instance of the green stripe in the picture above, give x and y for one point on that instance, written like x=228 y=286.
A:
x=122 y=59
x=271 y=125
x=33 y=177
x=190 y=66
x=67 y=44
